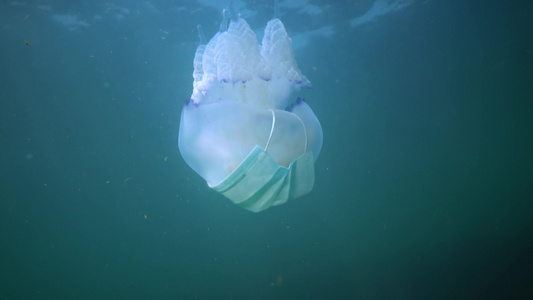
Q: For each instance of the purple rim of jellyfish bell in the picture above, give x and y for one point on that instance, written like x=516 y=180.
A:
x=298 y=101
x=191 y=101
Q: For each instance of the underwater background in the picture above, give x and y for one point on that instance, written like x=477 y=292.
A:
x=423 y=187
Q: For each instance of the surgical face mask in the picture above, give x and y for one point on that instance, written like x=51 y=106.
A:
x=260 y=182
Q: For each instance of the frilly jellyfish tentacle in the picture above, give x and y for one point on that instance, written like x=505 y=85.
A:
x=201 y=35
x=276 y=10
x=224 y=24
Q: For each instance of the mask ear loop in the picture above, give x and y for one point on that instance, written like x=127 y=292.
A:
x=274 y=124
x=305 y=131
x=272 y=130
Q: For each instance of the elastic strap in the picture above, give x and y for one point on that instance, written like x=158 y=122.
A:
x=274 y=124
x=272 y=129
x=305 y=131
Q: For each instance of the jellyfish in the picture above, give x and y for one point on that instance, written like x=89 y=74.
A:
x=242 y=130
